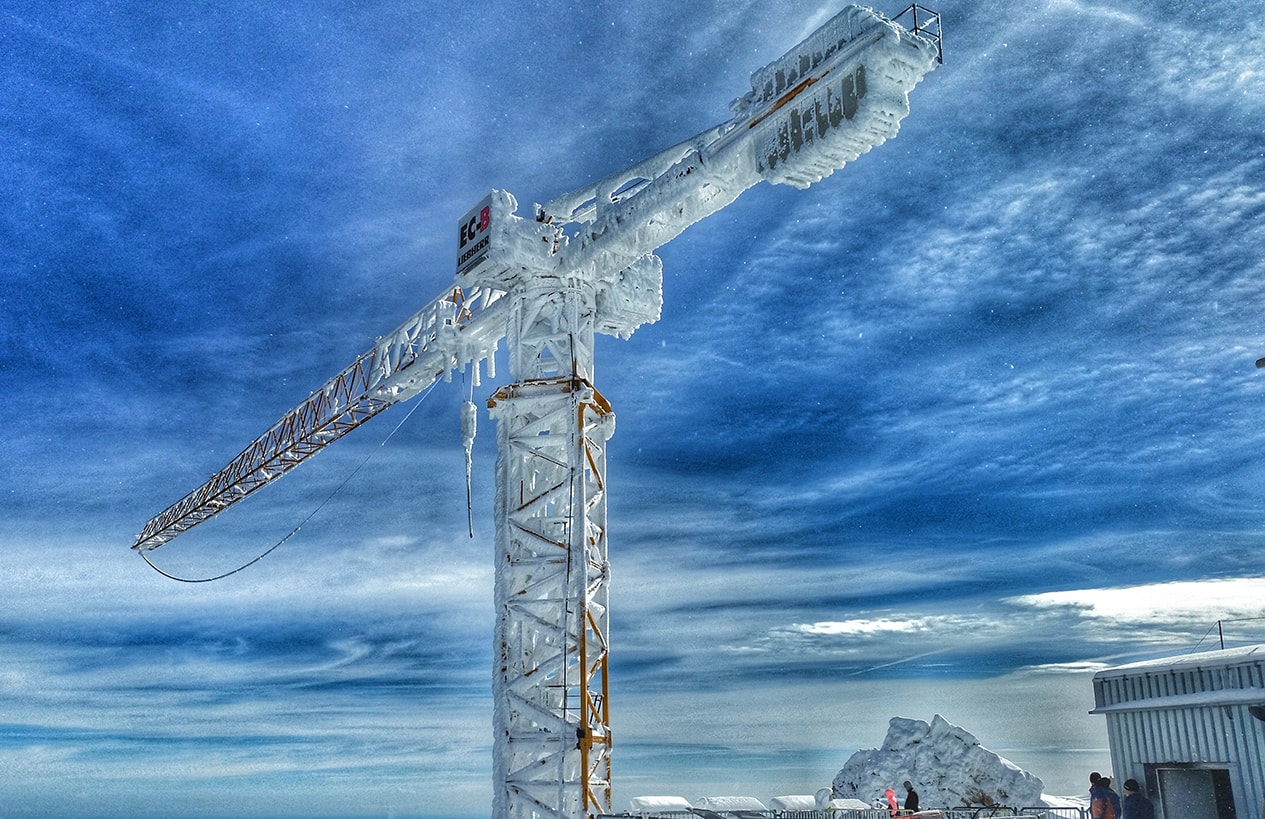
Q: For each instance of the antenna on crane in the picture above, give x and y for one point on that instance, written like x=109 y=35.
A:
x=547 y=292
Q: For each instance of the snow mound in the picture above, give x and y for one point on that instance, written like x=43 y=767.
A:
x=657 y=804
x=796 y=802
x=724 y=803
x=823 y=801
x=946 y=764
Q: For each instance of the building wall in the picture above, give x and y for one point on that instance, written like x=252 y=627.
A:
x=1188 y=711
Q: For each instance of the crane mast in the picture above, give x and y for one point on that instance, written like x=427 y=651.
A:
x=581 y=265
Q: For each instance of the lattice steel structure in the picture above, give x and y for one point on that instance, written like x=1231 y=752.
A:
x=584 y=265
x=550 y=687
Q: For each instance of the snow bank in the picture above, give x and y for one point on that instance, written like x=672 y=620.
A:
x=793 y=803
x=722 y=803
x=946 y=764
x=823 y=800
x=656 y=804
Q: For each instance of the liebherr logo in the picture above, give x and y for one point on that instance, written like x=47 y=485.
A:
x=473 y=236
x=478 y=224
x=810 y=119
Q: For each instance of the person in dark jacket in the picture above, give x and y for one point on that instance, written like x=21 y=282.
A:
x=1135 y=805
x=911 y=797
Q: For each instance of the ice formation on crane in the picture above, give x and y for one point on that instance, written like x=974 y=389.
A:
x=583 y=265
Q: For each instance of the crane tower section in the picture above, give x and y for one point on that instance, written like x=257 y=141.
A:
x=550 y=688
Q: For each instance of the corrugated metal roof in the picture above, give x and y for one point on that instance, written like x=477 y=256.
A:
x=1203 y=659
x=1204 y=699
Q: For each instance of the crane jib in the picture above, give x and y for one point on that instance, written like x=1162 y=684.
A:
x=424 y=348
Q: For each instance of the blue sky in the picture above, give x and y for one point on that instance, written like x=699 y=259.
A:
x=944 y=433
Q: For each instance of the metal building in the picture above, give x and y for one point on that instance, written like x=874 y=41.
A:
x=1191 y=730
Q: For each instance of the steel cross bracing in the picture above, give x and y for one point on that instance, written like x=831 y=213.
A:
x=550 y=686
x=584 y=265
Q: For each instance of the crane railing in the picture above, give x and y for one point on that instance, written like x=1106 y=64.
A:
x=923 y=22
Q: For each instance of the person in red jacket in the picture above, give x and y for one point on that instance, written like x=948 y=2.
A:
x=890 y=795
x=1104 y=803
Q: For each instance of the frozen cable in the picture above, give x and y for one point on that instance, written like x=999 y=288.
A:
x=469 y=421
x=311 y=515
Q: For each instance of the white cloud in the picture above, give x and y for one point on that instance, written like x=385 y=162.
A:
x=1190 y=602
x=849 y=627
x=1198 y=67
x=1083 y=667
x=1096 y=10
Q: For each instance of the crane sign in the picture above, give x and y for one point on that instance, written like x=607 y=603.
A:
x=583 y=265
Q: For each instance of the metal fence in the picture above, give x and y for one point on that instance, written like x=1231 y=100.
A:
x=1002 y=811
x=992 y=812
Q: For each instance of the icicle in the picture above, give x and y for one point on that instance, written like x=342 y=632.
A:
x=469 y=421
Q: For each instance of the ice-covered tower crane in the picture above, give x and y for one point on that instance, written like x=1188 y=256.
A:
x=580 y=265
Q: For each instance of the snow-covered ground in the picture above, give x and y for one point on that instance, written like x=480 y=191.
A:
x=945 y=763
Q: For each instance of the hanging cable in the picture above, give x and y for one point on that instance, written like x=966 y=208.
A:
x=311 y=515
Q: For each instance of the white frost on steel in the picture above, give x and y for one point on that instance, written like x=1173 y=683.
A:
x=580 y=265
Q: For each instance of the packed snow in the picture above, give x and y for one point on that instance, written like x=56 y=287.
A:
x=945 y=763
x=730 y=803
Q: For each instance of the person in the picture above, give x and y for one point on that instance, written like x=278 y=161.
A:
x=890 y=795
x=1135 y=805
x=911 y=797
x=1104 y=803
x=1112 y=796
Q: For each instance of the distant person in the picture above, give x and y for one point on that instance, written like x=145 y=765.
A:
x=1112 y=796
x=890 y=796
x=1135 y=805
x=1104 y=803
x=911 y=797
x=1095 y=795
